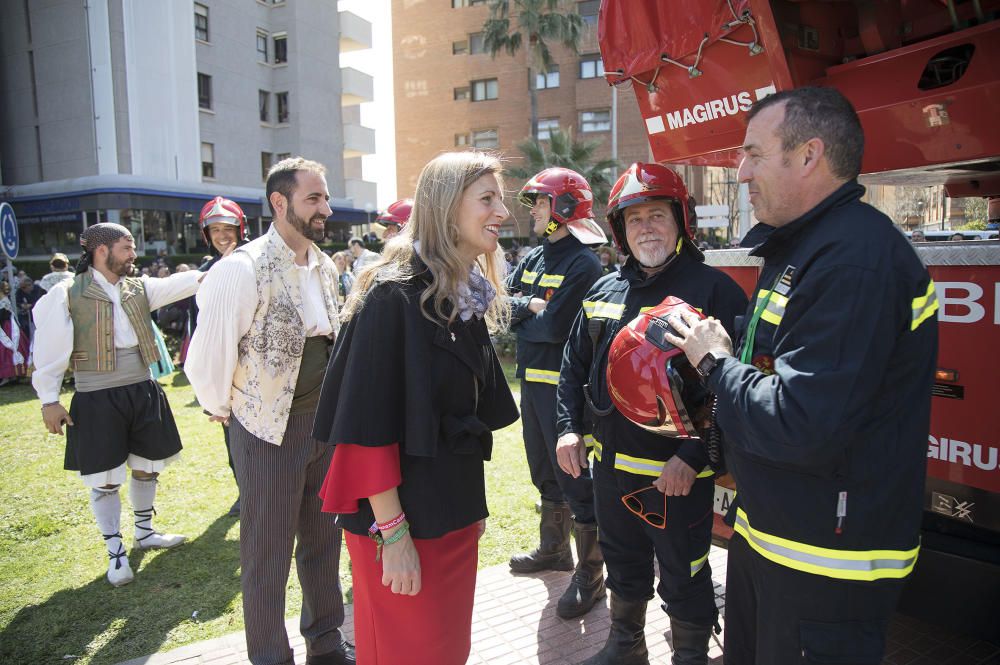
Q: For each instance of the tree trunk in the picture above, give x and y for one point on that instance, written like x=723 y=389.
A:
x=533 y=105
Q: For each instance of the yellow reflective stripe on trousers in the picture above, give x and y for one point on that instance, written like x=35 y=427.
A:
x=698 y=564
x=591 y=442
x=863 y=565
x=641 y=466
x=541 y=376
x=528 y=277
x=551 y=281
x=775 y=309
x=924 y=306
x=605 y=310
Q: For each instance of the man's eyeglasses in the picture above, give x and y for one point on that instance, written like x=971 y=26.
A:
x=636 y=507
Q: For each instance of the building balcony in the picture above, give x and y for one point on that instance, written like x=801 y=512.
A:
x=358 y=140
x=356 y=87
x=361 y=192
x=355 y=33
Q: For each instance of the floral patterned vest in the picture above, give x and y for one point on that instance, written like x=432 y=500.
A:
x=270 y=353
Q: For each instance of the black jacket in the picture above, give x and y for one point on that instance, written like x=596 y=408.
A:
x=559 y=273
x=848 y=344
x=396 y=377
x=616 y=299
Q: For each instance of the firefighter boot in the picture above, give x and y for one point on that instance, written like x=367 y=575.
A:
x=626 y=643
x=553 y=552
x=587 y=585
x=690 y=642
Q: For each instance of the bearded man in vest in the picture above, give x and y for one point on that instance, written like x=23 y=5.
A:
x=267 y=318
x=99 y=322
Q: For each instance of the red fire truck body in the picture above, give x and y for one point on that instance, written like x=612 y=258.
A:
x=924 y=76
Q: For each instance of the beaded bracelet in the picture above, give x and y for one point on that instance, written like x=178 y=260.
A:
x=380 y=542
x=394 y=522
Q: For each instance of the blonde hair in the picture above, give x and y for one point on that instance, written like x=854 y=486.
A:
x=433 y=222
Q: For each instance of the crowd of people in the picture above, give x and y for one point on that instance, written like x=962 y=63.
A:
x=358 y=394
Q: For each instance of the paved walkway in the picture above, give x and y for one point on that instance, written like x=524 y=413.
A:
x=514 y=623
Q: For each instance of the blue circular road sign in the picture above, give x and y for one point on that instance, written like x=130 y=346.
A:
x=8 y=231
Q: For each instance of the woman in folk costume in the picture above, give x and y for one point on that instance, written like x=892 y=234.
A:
x=119 y=417
x=14 y=345
x=411 y=397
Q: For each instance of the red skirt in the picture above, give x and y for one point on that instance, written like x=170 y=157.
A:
x=432 y=628
x=8 y=368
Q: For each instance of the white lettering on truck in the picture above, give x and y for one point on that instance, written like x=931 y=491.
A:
x=960 y=302
x=960 y=452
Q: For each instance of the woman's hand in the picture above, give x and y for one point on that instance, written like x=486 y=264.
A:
x=401 y=566
x=482 y=529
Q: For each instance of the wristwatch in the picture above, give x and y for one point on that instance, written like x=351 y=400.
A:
x=707 y=364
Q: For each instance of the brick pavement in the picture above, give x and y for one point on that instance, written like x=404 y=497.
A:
x=514 y=623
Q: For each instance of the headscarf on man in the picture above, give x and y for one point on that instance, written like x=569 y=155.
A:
x=105 y=233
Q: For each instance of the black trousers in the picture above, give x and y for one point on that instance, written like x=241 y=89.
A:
x=681 y=549
x=779 y=616
x=280 y=515
x=538 y=423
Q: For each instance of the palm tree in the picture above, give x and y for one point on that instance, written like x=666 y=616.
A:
x=561 y=149
x=538 y=23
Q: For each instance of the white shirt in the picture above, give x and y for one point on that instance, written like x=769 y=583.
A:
x=227 y=302
x=54 y=328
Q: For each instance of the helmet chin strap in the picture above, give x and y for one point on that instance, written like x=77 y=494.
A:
x=551 y=228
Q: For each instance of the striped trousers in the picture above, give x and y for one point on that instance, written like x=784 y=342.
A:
x=279 y=488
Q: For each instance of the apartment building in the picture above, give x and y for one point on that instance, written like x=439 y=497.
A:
x=451 y=94
x=139 y=112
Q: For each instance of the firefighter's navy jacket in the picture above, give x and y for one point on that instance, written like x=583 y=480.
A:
x=826 y=431
x=559 y=273
x=615 y=300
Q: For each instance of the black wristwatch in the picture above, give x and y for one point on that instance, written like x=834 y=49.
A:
x=707 y=364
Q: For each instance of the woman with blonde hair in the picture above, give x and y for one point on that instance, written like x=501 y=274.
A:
x=412 y=394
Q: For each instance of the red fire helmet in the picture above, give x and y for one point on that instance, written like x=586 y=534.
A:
x=642 y=183
x=225 y=211
x=647 y=374
x=571 y=200
x=397 y=213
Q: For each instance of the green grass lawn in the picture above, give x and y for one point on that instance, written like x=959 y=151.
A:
x=55 y=603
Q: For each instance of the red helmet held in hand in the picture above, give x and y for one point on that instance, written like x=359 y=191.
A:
x=649 y=378
x=392 y=220
x=571 y=202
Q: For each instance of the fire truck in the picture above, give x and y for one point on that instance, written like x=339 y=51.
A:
x=924 y=76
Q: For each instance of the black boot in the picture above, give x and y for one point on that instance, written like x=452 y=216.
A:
x=587 y=585
x=553 y=552
x=626 y=643
x=690 y=642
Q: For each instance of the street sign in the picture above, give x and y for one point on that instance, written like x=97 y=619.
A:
x=8 y=231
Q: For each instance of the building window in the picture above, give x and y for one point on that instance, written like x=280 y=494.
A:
x=200 y=22
x=591 y=67
x=476 y=44
x=282 y=98
x=484 y=89
x=282 y=156
x=549 y=79
x=461 y=94
x=262 y=46
x=546 y=126
x=264 y=102
x=280 y=49
x=460 y=48
x=461 y=140
x=204 y=91
x=485 y=138
x=588 y=11
x=595 y=121
x=265 y=164
x=207 y=160
x=466 y=3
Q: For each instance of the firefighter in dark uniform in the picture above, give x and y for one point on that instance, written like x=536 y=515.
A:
x=649 y=217
x=547 y=287
x=825 y=399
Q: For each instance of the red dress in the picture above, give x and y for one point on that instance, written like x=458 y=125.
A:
x=10 y=369
x=435 y=626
